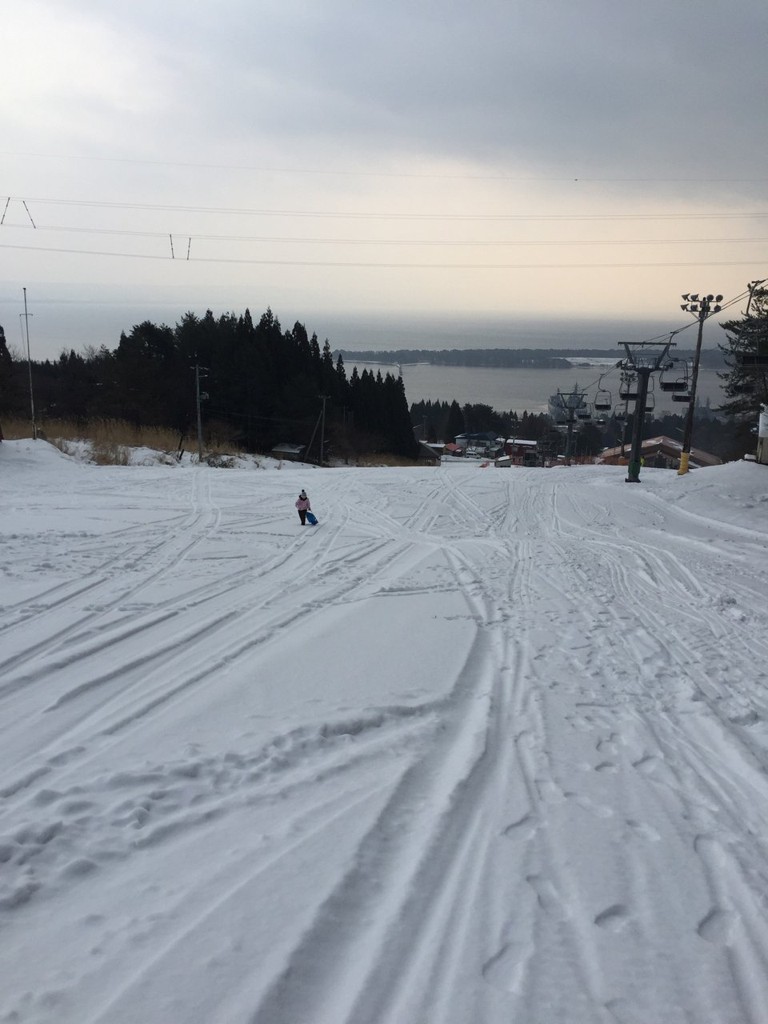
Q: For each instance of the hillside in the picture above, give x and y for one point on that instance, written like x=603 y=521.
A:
x=484 y=746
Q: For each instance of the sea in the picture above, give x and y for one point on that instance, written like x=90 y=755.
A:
x=527 y=389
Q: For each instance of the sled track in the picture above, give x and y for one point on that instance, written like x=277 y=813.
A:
x=504 y=836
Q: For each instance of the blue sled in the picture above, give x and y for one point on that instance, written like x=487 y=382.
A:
x=311 y=519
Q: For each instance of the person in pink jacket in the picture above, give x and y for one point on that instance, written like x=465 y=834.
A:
x=302 y=504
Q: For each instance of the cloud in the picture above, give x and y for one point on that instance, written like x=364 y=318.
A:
x=364 y=114
x=594 y=87
x=69 y=77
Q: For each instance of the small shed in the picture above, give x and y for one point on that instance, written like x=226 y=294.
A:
x=431 y=454
x=289 y=452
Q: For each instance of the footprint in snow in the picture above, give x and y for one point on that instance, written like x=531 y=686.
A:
x=524 y=828
x=647 y=764
x=548 y=896
x=608 y=746
x=613 y=918
x=641 y=828
x=718 y=926
x=586 y=804
x=506 y=970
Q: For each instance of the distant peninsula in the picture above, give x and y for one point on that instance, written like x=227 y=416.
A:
x=551 y=358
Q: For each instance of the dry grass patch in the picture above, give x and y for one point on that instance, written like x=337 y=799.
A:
x=110 y=441
x=99 y=432
x=372 y=461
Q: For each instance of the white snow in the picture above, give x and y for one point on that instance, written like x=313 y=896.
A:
x=483 y=747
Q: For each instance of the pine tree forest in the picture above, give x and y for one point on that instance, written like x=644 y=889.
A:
x=259 y=386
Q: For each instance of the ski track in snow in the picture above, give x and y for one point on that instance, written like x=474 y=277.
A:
x=489 y=746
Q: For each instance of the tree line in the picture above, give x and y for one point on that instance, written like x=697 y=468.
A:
x=261 y=386
x=264 y=386
x=443 y=421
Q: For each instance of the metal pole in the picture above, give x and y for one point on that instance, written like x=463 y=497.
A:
x=569 y=435
x=633 y=470
x=688 y=430
x=199 y=415
x=29 y=367
x=624 y=425
x=322 y=429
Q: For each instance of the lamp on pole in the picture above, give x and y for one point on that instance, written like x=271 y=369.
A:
x=701 y=307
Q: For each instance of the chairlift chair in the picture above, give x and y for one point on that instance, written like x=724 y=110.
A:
x=678 y=382
x=603 y=401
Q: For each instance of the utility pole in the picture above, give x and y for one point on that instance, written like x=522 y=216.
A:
x=198 y=398
x=633 y=470
x=701 y=309
x=29 y=367
x=322 y=429
x=642 y=366
x=320 y=423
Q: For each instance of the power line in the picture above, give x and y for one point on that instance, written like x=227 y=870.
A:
x=494 y=243
x=355 y=215
x=357 y=173
x=379 y=265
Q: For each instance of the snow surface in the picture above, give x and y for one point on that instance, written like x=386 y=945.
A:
x=485 y=747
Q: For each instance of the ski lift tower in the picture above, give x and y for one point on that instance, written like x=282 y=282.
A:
x=643 y=359
x=564 y=408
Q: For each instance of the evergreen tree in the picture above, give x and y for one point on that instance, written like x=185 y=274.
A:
x=148 y=374
x=397 y=419
x=328 y=379
x=8 y=385
x=455 y=423
x=746 y=355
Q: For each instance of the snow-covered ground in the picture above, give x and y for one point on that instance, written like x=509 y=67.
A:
x=486 y=746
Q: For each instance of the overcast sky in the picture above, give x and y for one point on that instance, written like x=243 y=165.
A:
x=347 y=161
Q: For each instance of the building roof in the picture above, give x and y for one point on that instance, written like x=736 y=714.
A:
x=666 y=445
x=482 y=435
x=429 y=451
x=288 y=449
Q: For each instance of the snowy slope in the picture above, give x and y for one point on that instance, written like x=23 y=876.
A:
x=486 y=746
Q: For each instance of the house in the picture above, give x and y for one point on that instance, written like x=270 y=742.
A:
x=521 y=452
x=481 y=445
x=453 y=449
x=289 y=452
x=659 y=452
